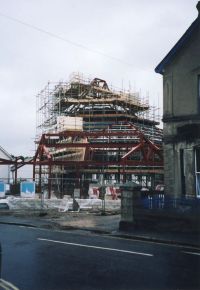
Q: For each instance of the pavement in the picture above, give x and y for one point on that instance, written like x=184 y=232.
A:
x=107 y=224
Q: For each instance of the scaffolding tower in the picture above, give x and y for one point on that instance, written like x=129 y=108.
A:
x=87 y=130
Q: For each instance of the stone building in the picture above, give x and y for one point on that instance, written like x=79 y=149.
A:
x=181 y=113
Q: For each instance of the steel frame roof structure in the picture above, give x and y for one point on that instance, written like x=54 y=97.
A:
x=118 y=136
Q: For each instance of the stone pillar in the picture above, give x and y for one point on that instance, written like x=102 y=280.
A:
x=130 y=202
x=189 y=172
x=169 y=174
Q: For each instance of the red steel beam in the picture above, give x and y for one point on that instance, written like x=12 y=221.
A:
x=6 y=161
x=136 y=148
x=93 y=145
x=96 y=163
x=92 y=134
x=46 y=151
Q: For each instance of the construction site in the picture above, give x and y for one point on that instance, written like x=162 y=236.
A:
x=91 y=138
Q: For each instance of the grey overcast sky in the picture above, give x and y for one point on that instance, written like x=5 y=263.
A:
x=138 y=32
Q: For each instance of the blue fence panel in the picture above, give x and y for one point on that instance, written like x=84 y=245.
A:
x=159 y=201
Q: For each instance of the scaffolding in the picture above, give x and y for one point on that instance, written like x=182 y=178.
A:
x=85 y=128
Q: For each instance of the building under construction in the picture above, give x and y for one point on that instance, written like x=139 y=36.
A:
x=88 y=132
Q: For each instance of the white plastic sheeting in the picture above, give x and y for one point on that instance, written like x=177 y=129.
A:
x=62 y=205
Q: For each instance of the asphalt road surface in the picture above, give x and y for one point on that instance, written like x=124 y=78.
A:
x=39 y=259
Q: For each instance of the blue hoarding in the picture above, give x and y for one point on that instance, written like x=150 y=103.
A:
x=2 y=189
x=27 y=189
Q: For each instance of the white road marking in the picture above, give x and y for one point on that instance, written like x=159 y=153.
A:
x=117 y=238
x=96 y=247
x=192 y=253
x=27 y=227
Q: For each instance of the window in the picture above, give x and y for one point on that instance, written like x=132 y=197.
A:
x=198 y=160
x=198 y=94
x=182 y=167
x=168 y=96
x=197 y=171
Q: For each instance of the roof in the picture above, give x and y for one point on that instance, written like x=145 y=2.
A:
x=178 y=46
x=5 y=152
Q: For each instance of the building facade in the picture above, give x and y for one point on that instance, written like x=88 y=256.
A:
x=181 y=113
x=5 y=169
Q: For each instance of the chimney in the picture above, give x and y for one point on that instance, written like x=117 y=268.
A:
x=198 y=6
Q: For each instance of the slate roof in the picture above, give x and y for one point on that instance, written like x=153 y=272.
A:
x=178 y=46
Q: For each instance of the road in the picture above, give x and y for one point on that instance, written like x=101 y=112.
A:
x=39 y=259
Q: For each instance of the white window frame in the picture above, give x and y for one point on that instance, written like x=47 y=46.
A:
x=197 y=176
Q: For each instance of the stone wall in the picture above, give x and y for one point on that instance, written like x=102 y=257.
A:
x=181 y=117
x=174 y=182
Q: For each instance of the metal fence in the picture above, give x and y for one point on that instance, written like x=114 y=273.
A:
x=160 y=201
